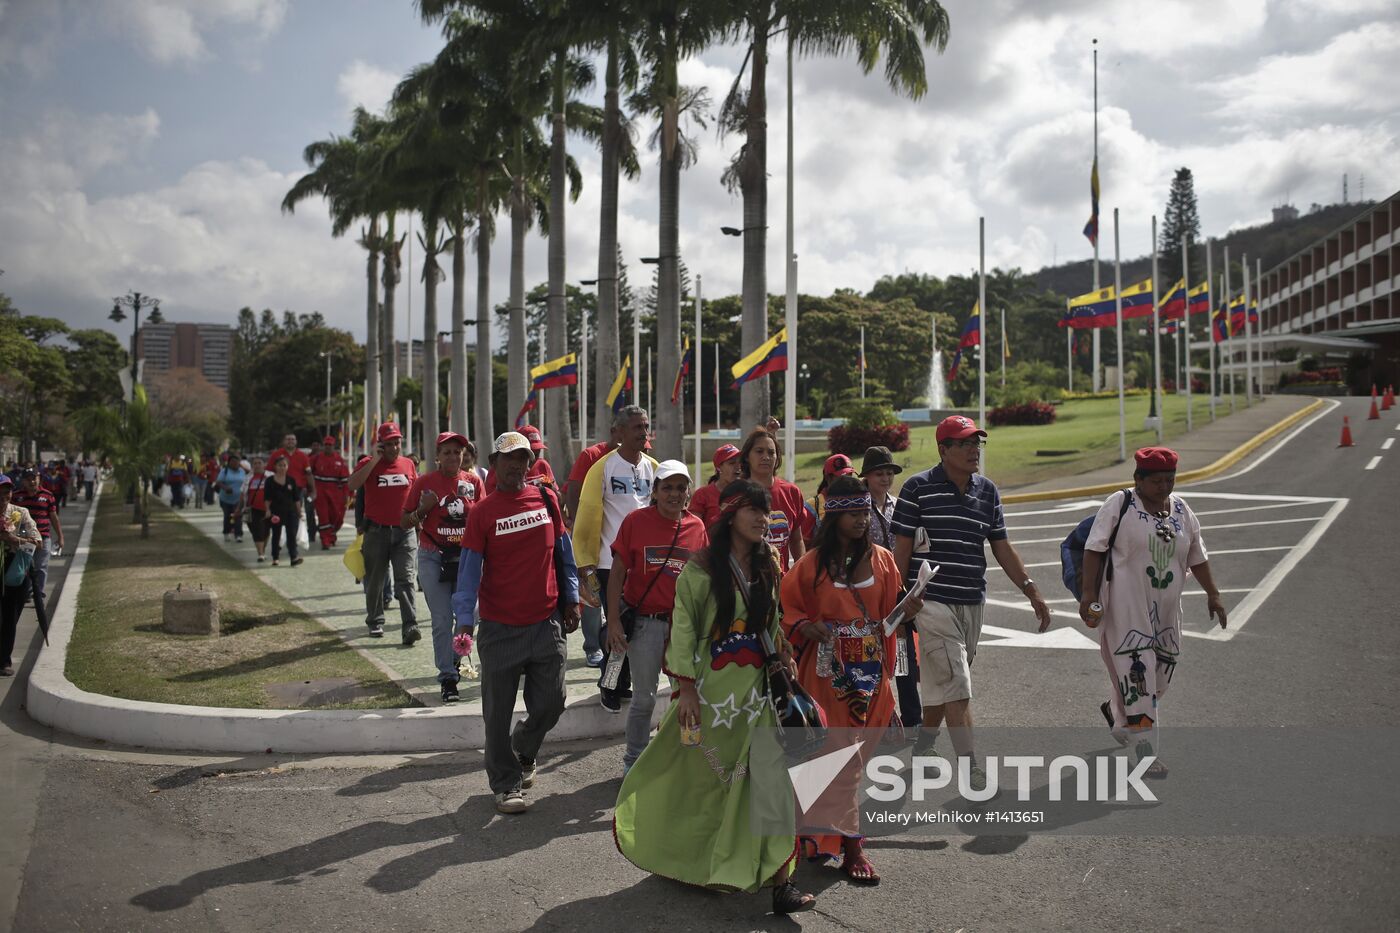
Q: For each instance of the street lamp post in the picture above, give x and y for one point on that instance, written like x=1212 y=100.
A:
x=135 y=302
x=326 y=355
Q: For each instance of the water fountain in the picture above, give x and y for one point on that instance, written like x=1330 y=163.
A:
x=935 y=392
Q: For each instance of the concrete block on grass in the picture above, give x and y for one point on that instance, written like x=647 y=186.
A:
x=190 y=612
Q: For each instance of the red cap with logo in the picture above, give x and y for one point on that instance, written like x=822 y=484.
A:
x=956 y=427
x=329 y=441
x=446 y=436
x=532 y=434
x=724 y=455
x=388 y=431
x=838 y=465
x=1156 y=459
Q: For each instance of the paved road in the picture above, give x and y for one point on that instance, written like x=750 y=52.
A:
x=130 y=841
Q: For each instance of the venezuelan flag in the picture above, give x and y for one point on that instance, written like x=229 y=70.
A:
x=1091 y=229
x=687 y=357
x=770 y=357
x=1094 y=309
x=560 y=372
x=1173 y=304
x=971 y=337
x=1198 y=299
x=523 y=417
x=1137 y=300
x=621 y=387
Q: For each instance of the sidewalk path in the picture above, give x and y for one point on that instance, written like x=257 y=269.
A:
x=324 y=589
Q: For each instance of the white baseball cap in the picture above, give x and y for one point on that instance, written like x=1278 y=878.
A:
x=510 y=442
x=668 y=468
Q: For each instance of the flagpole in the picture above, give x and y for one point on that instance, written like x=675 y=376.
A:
x=1156 y=413
x=1095 y=382
x=862 y=361
x=1118 y=318
x=790 y=305
x=699 y=385
x=1259 y=335
x=1210 y=305
x=718 y=424
x=1186 y=322
x=1229 y=330
x=982 y=329
x=1003 y=348
x=583 y=382
x=1069 y=355
x=1248 y=340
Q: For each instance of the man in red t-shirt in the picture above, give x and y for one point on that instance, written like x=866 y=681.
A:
x=43 y=508
x=514 y=541
x=650 y=549
x=329 y=472
x=540 y=471
x=386 y=478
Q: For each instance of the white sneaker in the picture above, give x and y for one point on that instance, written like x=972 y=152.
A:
x=512 y=802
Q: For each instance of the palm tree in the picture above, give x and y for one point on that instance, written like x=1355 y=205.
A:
x=896 y=30
x=345 y=172
x=135 y=445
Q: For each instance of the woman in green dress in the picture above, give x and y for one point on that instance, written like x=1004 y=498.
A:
x=689 y=812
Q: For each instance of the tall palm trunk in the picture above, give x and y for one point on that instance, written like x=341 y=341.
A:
x=432 y=272
x=457 y=377
x=753 y=182
x=667 y=417
x=485 y=229
x=606 y=350
x=388 y=348
x=558 y=422
x=371 y=243
x=517 y=386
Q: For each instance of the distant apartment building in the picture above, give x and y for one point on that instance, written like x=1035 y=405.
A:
x=444 y=353
x=204 y=347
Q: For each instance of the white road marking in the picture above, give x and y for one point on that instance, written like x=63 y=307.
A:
x=1246 y=609
x=1389 y=442
x=1251 y=550
x=1066 y=507
x=1331 y=405
x=1275 y=521
x=1374 y=462
x=1065 y=637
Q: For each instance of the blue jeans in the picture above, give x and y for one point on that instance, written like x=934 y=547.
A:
x=438 y=596
x=646 y=650
x=592 y=627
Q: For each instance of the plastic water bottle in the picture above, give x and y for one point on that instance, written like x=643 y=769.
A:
x=613 y=672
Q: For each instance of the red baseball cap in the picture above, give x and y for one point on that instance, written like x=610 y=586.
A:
x=1156 y=459
x=329 y=440
x=838 y=465
x=446 y=436
x=724 y=455
x=956 y=427
x=532 y=434
x=388 y=431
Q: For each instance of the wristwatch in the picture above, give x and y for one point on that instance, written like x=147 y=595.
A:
x=1027 y=585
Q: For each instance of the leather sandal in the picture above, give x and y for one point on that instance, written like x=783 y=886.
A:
x=787 y=899
x=858 y=869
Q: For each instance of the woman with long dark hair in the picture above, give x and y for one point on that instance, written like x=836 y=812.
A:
x=686 y=808
x=759 y=460
x=282 y=509
x=834 y=602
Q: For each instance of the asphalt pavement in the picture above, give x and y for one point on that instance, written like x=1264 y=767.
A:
x=1302 y=540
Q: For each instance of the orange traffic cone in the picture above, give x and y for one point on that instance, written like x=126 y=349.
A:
x=1374 y=415
x=1388 y=398
x=1346 y=432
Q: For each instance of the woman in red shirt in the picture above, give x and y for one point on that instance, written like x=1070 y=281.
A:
x=437 y=505
x=649 y=552
x=254 y=503
x=705 y=502
x=759 y=461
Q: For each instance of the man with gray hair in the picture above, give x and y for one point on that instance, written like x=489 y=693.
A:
x=615 y=487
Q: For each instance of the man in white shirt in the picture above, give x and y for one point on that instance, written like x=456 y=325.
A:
x=616 y=486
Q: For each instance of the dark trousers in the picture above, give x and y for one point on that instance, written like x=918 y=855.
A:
x=308 y=502
x=87 y=491
x=288 y=526
x=509 y=652
x=911 y=712
x=231 y=526
x=12 y=599
x=624 y=679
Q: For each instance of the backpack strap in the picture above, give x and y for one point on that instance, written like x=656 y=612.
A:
x=1113 y=537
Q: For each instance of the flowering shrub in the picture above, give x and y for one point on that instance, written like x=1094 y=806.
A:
x=1029 y=413
x=1197 y=385
x=1316 y=377
x=851 y=441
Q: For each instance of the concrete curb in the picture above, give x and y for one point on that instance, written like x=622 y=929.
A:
x=1190 y=476
x=54 y=701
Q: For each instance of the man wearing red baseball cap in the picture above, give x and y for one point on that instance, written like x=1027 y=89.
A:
x=387 y=477
x=945 y=516
x=329 y=471
x=704 y=502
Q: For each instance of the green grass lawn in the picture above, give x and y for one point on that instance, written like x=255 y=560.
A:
x=120 y=649
x=1086 y=427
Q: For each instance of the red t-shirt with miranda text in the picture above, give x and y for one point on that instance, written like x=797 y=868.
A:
x=386 y=490
x=643 y=546
x=514 y=533
x=445 y=522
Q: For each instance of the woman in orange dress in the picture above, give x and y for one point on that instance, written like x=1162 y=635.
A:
x=834 y=602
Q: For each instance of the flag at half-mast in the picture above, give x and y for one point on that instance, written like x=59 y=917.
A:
x=1137 y=300
x=770 y=357
x=523 y=417
x=558 y=372
x=1198 y=299
x=971 y=337
x=1172 y=305
x=1094 y=309
x=621 y=387
x=1091 y=229
x=687 y=358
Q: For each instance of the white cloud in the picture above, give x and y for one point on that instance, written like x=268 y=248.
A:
x=364 y=85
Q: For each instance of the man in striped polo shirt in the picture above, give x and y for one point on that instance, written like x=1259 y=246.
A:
x=43 y=508
x=944 y=515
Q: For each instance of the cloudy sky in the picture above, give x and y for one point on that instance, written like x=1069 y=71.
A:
x=147 y=144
